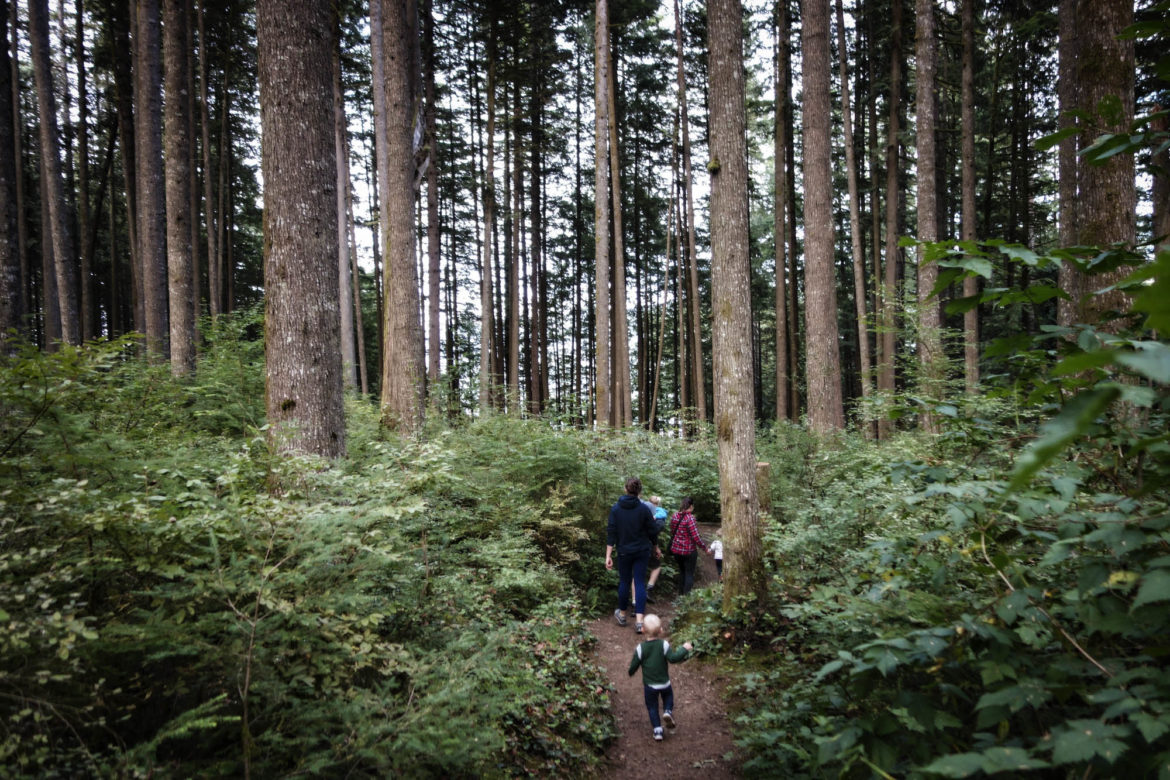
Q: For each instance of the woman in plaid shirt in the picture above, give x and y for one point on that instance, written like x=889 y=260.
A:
x=685 y=544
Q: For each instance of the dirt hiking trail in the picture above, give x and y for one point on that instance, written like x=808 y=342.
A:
x=700 y=746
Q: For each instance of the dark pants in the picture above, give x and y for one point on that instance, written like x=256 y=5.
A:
x=686 y=571
x=652 y=695
x=632 y=567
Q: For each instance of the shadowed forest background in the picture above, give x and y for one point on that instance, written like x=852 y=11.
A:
x=332 y=330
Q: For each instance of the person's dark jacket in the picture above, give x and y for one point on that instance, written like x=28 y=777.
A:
x=631 y=527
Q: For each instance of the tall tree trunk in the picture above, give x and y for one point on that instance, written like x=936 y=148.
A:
x=930 y=355
x=859 y=293
x=214 y=267
x=889 y=288
x=223 y=218
x=87 y=289
x=699 y=386
x=513 y=254
x=151 y=188
x=622 y=412
x=60 y=220
x=403 y=373
x=1106 y=198
x=487 y=341
x=193 y=211
x=11 y=280
x=178 y=190
x=731 y=307
x=302 y=335
x=434 y=268
x=967 y=122
x=823 y=362
x=780 y=202
x=602 y=384
x=345 y=280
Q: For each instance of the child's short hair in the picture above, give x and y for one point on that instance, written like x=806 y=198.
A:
x=656 y=500
x=652 y=625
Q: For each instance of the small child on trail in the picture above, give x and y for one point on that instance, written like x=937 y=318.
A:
x=716 y=549
x=655 y=656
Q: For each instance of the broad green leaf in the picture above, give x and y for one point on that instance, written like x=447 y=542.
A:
x=1151 y=360
x=1083 y=740
x=1155 y=587
x=1022 y=253
x=1015 y=697
x=1045 y=143
x=1151 y=727
x=1083 y=361
x=1010 y=759
x=1075 y=419
x=957 y=765
x=963 y=305
x=976 y=265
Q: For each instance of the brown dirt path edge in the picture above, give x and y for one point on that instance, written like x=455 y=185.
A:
x=701 y=745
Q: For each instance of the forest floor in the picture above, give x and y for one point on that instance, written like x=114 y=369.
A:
x=700 y=746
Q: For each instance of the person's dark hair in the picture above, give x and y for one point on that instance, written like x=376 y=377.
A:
x=686 y=504
x=633 y=486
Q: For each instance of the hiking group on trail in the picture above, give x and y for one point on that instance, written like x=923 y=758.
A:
x=632 y=535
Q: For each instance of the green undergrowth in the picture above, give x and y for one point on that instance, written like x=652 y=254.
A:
x=989 y=601
x=178 y=600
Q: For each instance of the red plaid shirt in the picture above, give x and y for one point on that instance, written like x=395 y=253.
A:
x=686 y=534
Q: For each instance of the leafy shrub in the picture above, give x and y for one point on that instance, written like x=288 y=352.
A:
x=961 y=608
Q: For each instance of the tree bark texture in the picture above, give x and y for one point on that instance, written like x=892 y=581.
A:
x=822 y=361
x=302 y=332
x=59 y=219
x=930 y=355
x=699 y=383
x=151 y=186
x=487 y=325
x=866 y=369
x=178 y=189
x=344 y=279
x=731 y=307
x=889 y=286
x=11 y=283
x=214 y=277
x=604 y=375
x=967 y=123
x=1105 y=200
x=780 y=205
x=402 y=353
x=433 y=255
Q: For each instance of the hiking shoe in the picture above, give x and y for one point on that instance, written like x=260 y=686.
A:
x=621 y=619
x=668 y=719
x=658 y=734
x=638 y=627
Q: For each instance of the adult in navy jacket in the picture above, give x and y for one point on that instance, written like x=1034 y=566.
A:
x=630 y=533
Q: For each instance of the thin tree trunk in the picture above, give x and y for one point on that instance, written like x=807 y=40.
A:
x=967 y=121
x=298 y=154
x=214 y=267
x=780 y=203
x=513 y=254
x=822 y=361
x=223 y=188
x=622 y=412
x=178 y=190
x=11 y=242
x=929 y=317
x=602 y=385
x=60 y=220
x=434 y=264
x=487 y=341
x=345 y=280
x=859 y=293
x=731 y=307
x=699 y=387
x=889 y=313
x=193 y=211
x=87 y=288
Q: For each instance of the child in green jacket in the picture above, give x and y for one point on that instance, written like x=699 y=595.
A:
x=655 y=657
